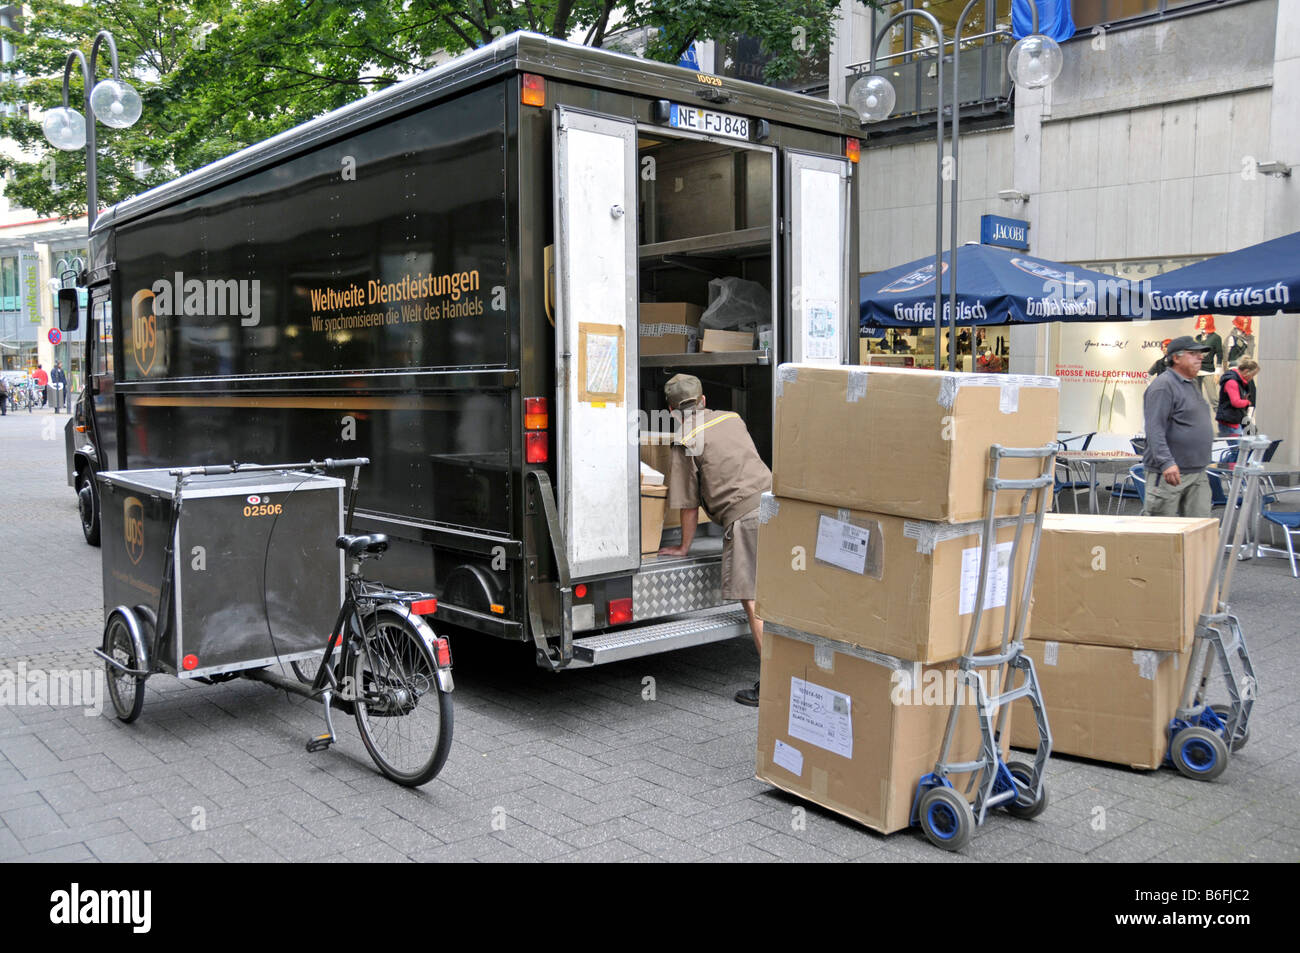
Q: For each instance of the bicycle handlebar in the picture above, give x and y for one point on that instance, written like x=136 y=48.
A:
x=327 y=464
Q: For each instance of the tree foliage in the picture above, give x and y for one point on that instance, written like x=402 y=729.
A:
x=218 y=76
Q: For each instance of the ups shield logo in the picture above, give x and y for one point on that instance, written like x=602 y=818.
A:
x=133 y=528
x=144 y=331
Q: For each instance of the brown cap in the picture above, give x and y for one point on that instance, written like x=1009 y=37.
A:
x=681 y=388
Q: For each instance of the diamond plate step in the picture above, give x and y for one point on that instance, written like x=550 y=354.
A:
x=711 y=625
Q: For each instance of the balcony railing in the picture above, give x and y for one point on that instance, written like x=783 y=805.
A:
x=983 y=87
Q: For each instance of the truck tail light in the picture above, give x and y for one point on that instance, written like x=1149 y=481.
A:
x=580 y=590
x=537 y=446
x=191 y=662
x=424 y=606
x=853 y=149
x=533 y=90
x=535 y=415
x=442 y=652
x=620 y=611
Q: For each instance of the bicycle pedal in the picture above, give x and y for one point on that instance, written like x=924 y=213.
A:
x=320 y=743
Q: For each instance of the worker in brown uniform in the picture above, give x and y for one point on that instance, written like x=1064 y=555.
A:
x=714 y=463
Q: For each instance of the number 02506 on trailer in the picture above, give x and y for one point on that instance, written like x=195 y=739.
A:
x=455 y=277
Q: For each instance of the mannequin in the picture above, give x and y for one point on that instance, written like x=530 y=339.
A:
x=1241 y=342
x=1208 y=378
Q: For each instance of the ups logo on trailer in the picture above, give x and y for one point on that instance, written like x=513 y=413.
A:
x=133 y=528
x=144 y=331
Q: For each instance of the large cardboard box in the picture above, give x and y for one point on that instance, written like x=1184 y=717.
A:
x=713 y=340
x=669 y=327
x=656 y=452
x=1104 y=703
x=906 y=442
x=652 y=517
x=1123 y=581
x=902 y=587
x=854 y=731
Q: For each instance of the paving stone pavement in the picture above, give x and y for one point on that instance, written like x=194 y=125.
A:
x=569 y=767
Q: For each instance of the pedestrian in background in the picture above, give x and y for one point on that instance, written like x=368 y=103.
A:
x=1179 y=436
x=42 y=380
x=4 y=396
x=1236 y=397
x=60 y=383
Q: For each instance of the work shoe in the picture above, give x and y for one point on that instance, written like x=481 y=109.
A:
x=748 y=696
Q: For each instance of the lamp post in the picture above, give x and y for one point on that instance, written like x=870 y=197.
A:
x=112 y=101
x=874 y=98
x=1035 y=61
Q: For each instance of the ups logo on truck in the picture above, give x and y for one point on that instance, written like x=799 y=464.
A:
x=133 y=528
x=144 y=331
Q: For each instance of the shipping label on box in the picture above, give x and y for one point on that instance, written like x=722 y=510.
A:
x=1110 y=704
x=906 y=442
x=1123 y=581
x=851 y=730
x=906 y=588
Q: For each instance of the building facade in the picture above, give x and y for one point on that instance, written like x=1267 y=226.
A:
x=1158 y=146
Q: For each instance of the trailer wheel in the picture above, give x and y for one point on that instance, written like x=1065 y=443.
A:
x=125 y=691
x=1025 y=805
x=946 y=818
x=88 y=508
x=1199 y=753
x=1242 y=734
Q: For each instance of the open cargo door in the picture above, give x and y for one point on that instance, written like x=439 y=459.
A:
x=596 y=341
x=817 y=207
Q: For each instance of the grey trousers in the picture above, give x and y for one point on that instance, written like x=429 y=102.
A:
x=1191 y=497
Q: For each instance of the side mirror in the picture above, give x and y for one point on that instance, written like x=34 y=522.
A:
x=69 y=310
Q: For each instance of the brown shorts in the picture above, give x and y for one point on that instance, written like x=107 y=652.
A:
x=740 y=558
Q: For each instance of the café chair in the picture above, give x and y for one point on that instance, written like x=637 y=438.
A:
x=1287 y=520
x=1134 y=486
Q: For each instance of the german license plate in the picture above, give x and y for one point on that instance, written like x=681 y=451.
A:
x=709 y=122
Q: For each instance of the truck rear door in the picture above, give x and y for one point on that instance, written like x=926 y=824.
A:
x=596 y=341
x=818 y=270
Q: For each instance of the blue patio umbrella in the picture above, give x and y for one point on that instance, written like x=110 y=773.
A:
x=1260 y=279
x=994 y=286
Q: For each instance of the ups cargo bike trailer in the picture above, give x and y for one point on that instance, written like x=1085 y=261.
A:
x=446 y=277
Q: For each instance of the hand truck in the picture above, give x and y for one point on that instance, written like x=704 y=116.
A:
x=943 y=813
x=1202 y=736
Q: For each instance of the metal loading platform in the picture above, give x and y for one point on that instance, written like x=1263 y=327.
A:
x=681 y=632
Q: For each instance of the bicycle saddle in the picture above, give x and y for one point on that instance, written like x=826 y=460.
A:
x=354 y=546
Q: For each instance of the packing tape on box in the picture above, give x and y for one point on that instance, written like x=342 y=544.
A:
x=856 y=388
x=824 y=657
x=1148 y=663
x=768 y=506
x=1010 y=384
x=928 y=535
x=784 y=375
x=820 y=782
x=1051 y=652
x=844 y=648
x=659 y=330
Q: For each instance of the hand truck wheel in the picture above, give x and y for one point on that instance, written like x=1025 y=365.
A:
x=1199 y=753
x=1242 y=734
x=123 y=643
x=946 y=817
x=1025 y=804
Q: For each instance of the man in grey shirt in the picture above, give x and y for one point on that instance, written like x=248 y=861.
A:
x=1179 y=436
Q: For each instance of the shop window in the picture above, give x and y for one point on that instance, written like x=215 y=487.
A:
x=9 y=296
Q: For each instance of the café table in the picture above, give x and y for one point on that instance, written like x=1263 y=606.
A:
x=1116 y=461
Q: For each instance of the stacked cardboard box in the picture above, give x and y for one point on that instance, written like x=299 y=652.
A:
x=868 y=567
x=1116 y=604
x=669 y=327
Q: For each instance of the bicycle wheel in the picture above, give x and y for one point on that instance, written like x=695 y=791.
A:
x=125 y=691
x=405 y=719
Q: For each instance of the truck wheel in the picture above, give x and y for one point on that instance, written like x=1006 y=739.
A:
x=88 y=507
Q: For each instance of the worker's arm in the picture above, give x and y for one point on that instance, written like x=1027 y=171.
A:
x=684 y=495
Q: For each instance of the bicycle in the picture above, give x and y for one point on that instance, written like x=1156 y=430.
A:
x=389 y=664
x=385 y=665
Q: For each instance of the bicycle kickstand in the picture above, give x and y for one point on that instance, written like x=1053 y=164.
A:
x=321 y=742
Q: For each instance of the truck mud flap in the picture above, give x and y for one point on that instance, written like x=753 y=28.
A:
x=554 y=642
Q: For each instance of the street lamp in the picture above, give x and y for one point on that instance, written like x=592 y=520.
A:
x=873 y=98
x=112 y=101
x=1034 y=62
